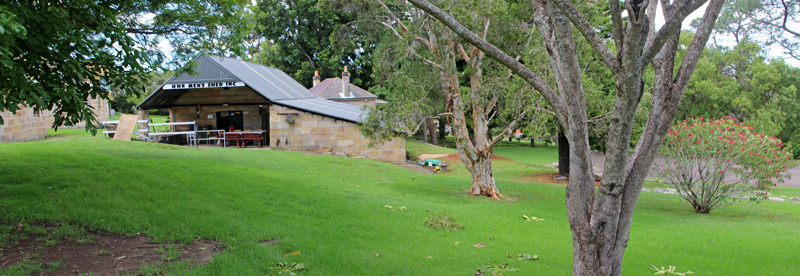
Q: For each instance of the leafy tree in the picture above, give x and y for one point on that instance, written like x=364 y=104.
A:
x=303 y=36
x=600 y=218
x=740 y=82
x=57 y=54
x=470 y=105
x=766 y=21
x=709 y=161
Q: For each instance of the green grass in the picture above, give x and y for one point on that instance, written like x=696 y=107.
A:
x=521 y=151
x=415 y=148
x=331 y=209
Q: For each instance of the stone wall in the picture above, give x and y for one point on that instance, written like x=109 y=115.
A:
x=312 y=132
x=101 y=110
x=24 y=125
x=252 y=118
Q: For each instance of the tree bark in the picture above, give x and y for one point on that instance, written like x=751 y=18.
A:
x=424 y=130
x=563 y=154
x=483 y=177
x=432 y=131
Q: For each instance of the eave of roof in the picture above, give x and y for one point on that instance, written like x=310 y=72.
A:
x=273 y=84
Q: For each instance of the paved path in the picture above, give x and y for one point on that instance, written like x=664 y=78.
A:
x=598 y=160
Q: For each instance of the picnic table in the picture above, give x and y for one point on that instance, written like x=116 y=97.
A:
x=242 y=137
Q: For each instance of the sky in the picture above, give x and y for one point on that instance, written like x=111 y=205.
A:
x=774 y=52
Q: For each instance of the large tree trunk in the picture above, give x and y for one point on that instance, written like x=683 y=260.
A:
x=483 y=177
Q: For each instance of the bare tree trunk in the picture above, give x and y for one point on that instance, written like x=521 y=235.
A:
x=424 y=130
x=483 y=178
x=533 y=142
x=432 y=131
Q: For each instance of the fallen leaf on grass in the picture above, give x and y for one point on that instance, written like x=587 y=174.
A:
x=479 y=245
x=523 y=257
x=401 y=208
x=532 y=218
x=378 y=255
x=292 y=254
x=428 y=257
x=670 y=270
x=456 y=243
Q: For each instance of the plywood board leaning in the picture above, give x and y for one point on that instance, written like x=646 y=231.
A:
x=127 y=122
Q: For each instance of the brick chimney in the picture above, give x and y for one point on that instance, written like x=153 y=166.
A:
x=346 y=83
x=316 y=78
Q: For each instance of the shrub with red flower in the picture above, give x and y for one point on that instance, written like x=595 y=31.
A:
x=710 y=160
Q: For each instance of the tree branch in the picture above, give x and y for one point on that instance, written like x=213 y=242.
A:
x=698 y=43
x=672 y=25
x=616 y=21
x=508 y=128
x=393 y=17
x=786 y=18
x=518 y=68
x=461 y=52
x=590 y=34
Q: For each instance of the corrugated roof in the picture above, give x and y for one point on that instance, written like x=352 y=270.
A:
x=207 y=71
x=275 y=85
x=325 y=107
x=331 y=88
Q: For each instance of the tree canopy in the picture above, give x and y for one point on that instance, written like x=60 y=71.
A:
x=54 y=55
x=303 y=36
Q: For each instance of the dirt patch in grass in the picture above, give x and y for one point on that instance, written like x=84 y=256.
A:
x=45 y=251
x=547 y=178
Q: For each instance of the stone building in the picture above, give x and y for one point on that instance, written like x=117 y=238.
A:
x=26 y=124
x=341 y=90
x=227 y=94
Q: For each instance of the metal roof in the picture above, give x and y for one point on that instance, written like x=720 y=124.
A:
x=326 y=107
x=273 y=84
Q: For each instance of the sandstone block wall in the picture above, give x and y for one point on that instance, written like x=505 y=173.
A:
x=312 y=132
x=101 y=110
x=252 y=119
x=24 y=125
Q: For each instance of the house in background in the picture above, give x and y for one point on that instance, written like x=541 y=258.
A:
x=341 y=90
x=228 y=93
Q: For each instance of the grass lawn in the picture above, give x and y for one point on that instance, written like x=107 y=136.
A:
x=331 y=209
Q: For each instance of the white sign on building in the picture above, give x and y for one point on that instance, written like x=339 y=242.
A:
x=203 y=85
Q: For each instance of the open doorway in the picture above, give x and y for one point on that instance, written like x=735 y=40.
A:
x=228 y=119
